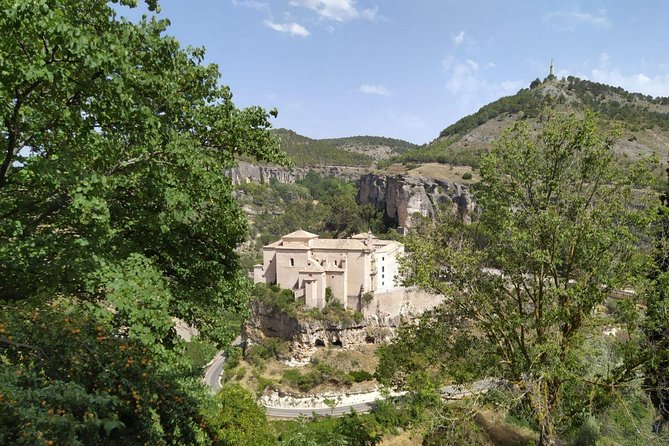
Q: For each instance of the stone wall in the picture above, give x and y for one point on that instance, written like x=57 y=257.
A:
x=401 y=196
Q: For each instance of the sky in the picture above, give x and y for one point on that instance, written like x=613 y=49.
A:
x=409 y=68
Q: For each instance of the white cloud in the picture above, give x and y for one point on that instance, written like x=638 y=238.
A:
x=252 y=4
x=570 y=20
x=605 y=72
x=336 y=10
x=635 y=82
x=379 y=90
x=294 y=29
x=470 y=86
x=460 y=38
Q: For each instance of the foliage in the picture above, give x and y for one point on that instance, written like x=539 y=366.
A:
x=655 y=353
x=82 y=385
x=323 y=205
x=268 y=348
x=241 y=421
x=467 y=176
x=200 y=352
x=282 y=301
x=114 y=220
x=337 y=151
x=634 y=110
x=321 y=374
x=350 y=430
x=560 y=228
x=367 y=298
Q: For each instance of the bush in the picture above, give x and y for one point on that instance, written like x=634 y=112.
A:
x=367 y=298
x=200 y=352
x=467 y=176
x=268 y=348
x=234 y=355
x=360 y=376
x=357 y=317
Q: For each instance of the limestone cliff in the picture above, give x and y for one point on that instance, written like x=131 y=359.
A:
x=253 y=173
x=401 y=196
x=308 y=335
x=381 y=319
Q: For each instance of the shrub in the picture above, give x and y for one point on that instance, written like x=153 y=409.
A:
x=360 y=376
x=467 y=176
x=234 y=355
x=367 y=298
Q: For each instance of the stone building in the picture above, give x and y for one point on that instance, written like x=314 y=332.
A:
x=308 y=265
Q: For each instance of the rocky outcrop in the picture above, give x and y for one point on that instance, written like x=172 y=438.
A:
x=402 y=196
x=306 y=336
x=253 y=173
x=381 y=318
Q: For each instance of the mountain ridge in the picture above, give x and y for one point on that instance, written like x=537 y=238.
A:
x=360 y=150
x=644 y=121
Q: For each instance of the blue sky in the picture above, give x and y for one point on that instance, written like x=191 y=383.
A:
x=409 y=68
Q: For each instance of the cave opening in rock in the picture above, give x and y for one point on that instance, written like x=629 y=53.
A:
x=370 y=340
x=319 y=343
x=337 y=343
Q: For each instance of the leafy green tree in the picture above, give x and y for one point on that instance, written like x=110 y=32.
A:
x=560 y=229
x=656 y=351
x=113 y=211
x=241 y=421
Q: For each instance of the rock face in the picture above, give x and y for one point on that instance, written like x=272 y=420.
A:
x=252 y=173
x=381 y=319
x=307 y=336
x=401 y=196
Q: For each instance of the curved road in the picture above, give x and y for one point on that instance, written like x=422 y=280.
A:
x=214 y=370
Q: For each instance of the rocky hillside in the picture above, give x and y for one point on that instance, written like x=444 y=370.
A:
x=359 y=151
x=644 y=120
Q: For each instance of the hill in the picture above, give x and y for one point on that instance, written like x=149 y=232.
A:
x=644 y=121
x=351 y=151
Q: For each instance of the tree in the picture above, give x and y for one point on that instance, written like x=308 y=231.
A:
x=656 y=348
x=560 y=229
x=241 y=421
x=115 y=218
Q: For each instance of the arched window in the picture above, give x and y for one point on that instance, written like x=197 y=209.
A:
x=292 y=261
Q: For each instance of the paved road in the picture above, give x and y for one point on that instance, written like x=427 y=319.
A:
x=450 y=393
x=212 y=378
x=213 y=372
x=286 y=413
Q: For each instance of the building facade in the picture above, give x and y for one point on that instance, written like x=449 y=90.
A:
x=308 y=265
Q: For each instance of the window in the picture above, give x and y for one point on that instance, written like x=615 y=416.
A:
x=383 y=259
x=292 y=261
x=383 y=276
x=383 y=269
x=383 y=283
